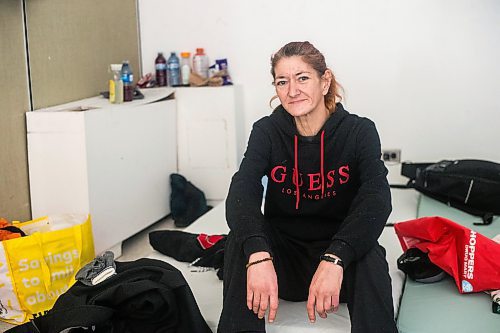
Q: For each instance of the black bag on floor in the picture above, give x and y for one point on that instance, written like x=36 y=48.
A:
x=145 y=295
x=187 y=202
x=472 y=186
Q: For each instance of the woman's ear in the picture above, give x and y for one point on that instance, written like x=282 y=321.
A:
x=327 y=81
x=272 y=100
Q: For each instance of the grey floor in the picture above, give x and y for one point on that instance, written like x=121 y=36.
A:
x=133 y=248
x=138 y=246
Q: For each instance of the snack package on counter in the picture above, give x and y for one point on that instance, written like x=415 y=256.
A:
x=221 y=65
x=212 y=70
x=146 y=81
x=215 y=81
x=219 y=74
x=196 y=80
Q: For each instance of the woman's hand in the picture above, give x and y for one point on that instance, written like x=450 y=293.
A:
x=324 y=291
x=262 y=287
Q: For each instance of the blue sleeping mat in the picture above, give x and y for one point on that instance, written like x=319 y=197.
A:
x=439 y=307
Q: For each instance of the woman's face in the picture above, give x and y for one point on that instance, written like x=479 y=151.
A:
x=300 y=89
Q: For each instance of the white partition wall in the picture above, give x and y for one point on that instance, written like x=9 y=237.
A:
x=207 y=137
x=426 y=71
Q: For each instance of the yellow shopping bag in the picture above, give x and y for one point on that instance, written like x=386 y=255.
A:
x=36 y=269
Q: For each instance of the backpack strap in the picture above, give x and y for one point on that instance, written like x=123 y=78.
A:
x=409 y=185
x=403 y=186
x=62 y=319
x=410 y=171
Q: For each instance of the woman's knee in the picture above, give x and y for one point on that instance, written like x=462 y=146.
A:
x=371 y=269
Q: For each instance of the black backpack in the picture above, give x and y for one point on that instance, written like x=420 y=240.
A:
x=472 y=186
x=187 y=202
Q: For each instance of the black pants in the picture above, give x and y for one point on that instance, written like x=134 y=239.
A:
x=366 y=286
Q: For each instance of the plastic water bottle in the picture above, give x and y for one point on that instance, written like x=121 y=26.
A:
x=161 y=70
x=173 y=70
x=128 y=82
x=116 y=85
x=185 y=68
x=200 y=63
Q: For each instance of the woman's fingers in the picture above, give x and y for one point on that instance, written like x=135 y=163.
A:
x=256 y=303
x=260 y=303
x=264 y=300
x=249 y=299
x=273 y=307
x=311 y=300
x=329 y=307
x=320 y=306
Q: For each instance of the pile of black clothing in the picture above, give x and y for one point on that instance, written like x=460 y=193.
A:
x=145 y=295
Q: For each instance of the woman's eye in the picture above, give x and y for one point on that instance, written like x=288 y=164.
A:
x=303 y=78
x=280 y=83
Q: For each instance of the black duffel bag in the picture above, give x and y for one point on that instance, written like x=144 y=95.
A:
x=472 y=186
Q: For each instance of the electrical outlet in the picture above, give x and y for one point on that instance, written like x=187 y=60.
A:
x=391 y=155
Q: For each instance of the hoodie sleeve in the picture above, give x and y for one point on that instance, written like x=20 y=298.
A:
x=371 y=206
x=243 y=204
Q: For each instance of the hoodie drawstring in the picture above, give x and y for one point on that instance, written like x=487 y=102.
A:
x=296 y=173
x=296 y=168
x=322 y=163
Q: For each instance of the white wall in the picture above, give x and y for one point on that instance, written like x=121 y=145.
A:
x=426 y=71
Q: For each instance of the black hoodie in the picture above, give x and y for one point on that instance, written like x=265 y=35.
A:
x=342 y=195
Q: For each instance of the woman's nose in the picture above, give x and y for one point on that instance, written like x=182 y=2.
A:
x=293 y=89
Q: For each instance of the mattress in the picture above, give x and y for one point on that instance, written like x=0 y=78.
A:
x=291 y=316
x=439 y=307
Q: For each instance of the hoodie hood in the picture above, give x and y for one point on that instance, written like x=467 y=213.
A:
x=286 y=121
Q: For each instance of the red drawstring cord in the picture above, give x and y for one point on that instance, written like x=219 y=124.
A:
x=296 y=168
x=322 y=163
x=296 y=174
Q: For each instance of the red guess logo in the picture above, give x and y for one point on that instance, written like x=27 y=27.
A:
x=279 y=174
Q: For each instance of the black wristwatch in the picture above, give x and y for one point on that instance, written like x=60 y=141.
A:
x=333 y=260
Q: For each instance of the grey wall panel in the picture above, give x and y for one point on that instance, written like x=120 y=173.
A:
x=14 y=102
x=72 y=43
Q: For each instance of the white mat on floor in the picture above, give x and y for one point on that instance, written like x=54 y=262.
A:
x=292 y=316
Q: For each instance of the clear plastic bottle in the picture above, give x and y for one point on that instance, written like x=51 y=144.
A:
x=161 y=70
x=185 y=68
x=173 y=70
x=200 y=63
x=128 y=82
x=116 y=85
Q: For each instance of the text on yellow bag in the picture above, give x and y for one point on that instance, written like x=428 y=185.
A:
x=36 y=269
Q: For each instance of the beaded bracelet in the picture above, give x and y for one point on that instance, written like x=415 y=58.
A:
x=258 y=261
x=335 y=261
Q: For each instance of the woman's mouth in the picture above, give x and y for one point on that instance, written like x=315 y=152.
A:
x=297 y=101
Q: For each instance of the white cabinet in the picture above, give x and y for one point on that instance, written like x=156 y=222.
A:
x=113 y=161
x=208 y=125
